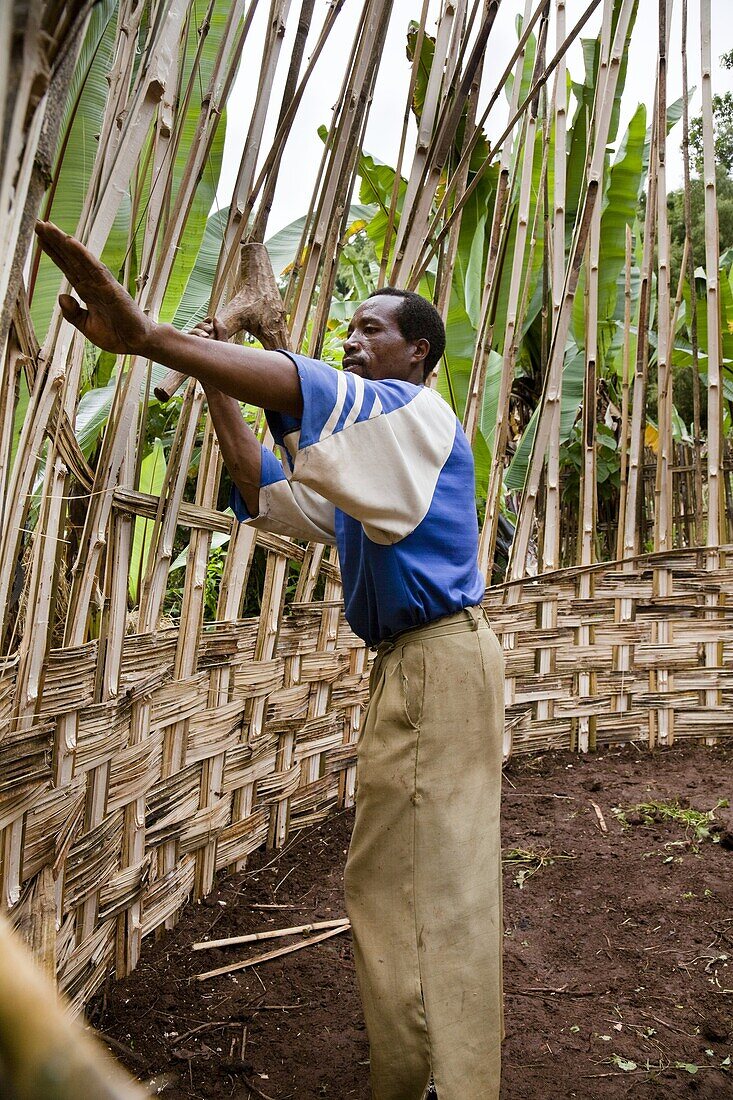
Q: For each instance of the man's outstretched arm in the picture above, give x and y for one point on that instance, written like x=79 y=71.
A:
x=114 y=322
x=240 y=447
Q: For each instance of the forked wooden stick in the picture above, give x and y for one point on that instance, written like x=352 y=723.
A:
x=257 y=309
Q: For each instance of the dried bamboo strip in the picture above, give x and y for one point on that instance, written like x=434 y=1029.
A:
x=271 y=934
x=268 y=955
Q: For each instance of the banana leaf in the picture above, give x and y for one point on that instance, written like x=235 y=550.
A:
x=572 y=398
x=152 y=475
x=86 y=100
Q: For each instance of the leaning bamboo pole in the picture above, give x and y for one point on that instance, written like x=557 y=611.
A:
x=510 y=343
x=717 y=523
x=498 y=237
x=663 y=533
x=449 y=17
x=44 y=1052
x=439 y=225
x=550 y=394
x=414 y=221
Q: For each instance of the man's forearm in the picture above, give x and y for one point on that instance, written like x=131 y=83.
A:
x=265 y=378
x=240 y=447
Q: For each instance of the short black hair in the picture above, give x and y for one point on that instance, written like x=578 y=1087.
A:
x=418 y=319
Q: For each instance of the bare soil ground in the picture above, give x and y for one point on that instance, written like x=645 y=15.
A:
x=618 y=950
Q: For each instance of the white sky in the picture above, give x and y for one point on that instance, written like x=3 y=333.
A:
x=383 y=132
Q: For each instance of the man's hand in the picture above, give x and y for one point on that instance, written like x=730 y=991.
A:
x=112 y=320
x=211 y=328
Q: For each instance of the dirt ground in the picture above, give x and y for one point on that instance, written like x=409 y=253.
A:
x=618 y=950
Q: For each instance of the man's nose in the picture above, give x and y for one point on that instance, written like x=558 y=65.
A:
x=351 y=342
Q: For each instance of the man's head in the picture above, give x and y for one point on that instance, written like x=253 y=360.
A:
x=394 y=334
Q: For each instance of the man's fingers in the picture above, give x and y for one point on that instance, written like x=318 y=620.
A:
x=73 y=312
x=79 y=266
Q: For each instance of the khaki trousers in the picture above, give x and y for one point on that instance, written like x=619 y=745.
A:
x=423 y=876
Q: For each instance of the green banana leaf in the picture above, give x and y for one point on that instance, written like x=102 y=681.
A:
x=86 y=100
x=283 y=245
x=152 y=475
x=572 y=397
x=620 y=203
x=205 y=196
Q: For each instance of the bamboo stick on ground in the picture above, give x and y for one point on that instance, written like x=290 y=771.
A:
x=272 y=954
x=272 y=934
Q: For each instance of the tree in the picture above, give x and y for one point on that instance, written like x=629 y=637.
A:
x=722 y=126
x=676 y=215
x=723 y=132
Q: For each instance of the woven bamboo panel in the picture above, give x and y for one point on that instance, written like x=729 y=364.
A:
x=280 y=742
x=642 y=689
x=124 y=828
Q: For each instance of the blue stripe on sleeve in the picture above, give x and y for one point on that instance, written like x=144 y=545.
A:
x=272 y=471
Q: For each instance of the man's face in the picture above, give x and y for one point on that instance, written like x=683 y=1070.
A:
x=376 y=349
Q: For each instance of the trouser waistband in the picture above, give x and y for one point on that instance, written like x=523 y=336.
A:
x=467 y=619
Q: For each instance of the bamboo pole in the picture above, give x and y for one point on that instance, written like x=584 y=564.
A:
x=391 y=217
x=588 y=510
x=690 y=270
x=43 y=1052
x=663 y=518
x=551 y=531
x=414 y=220
x=341 y=158
x=497 y=246
x=551 y=541
x=557 y=350
x=428 y=119
x=510 y=342
x=717 y=523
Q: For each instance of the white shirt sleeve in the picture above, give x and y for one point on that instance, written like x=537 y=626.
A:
x=286 y=507
x=374 y=449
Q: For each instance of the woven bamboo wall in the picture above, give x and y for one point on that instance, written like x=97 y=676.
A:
x=273 y=752
x=657 y=668
x=276 y=750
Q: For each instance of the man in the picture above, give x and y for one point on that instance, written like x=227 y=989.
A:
x=377 y=463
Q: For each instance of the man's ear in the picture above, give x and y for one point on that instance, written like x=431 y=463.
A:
x=422 y=349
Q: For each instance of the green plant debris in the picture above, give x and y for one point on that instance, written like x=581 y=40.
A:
x=623 y=1063
x=700 y=825
x=529 y=862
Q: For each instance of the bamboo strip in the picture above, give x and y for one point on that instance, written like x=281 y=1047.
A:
x=271 y=934
x=268 y=955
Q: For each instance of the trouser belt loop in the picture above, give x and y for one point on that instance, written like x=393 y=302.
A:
x=476 y=613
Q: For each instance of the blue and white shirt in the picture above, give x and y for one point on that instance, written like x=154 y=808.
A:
x=384 y=470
